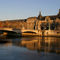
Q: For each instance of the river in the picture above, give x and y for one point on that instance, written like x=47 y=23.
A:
x=29 y=48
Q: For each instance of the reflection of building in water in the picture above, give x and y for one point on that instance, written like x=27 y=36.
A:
x=31 y=44
x=47 y=44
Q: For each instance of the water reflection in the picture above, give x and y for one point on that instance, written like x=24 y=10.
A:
x=5 y=42
x=45 y=44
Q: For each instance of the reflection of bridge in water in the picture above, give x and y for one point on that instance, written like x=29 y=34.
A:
x=6 y=42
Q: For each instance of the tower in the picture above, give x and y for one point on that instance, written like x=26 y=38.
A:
x=39 y=12
x=39 y=16
x=59 y=11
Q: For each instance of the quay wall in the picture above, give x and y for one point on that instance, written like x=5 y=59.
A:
x=43 y=33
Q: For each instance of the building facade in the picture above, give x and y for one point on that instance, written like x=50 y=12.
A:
x=44 y=22
x=34 y=23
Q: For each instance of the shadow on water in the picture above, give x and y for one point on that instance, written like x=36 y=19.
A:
x=2 y=42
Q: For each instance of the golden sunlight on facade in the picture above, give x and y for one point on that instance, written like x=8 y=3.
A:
x=45 y=25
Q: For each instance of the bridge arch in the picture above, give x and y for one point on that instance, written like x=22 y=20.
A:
x=8 y=31
x=29 y=32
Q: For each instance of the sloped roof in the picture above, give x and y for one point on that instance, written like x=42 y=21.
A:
x=17 y=20
x=32 y=18
x=51 y=17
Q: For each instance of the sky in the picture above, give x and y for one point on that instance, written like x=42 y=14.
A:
x=22 y=9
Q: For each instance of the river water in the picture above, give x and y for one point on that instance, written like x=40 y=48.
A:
x=29 y=48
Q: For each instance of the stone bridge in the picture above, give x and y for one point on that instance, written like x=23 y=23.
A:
x=18 y=32
x=10 y=31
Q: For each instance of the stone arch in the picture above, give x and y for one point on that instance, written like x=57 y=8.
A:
x=29 y=32
x=47 y=18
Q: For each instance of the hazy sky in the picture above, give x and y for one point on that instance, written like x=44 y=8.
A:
x=22 y=9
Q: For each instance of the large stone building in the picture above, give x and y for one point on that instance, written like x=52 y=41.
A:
x=34 y=23
x=44 y=22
